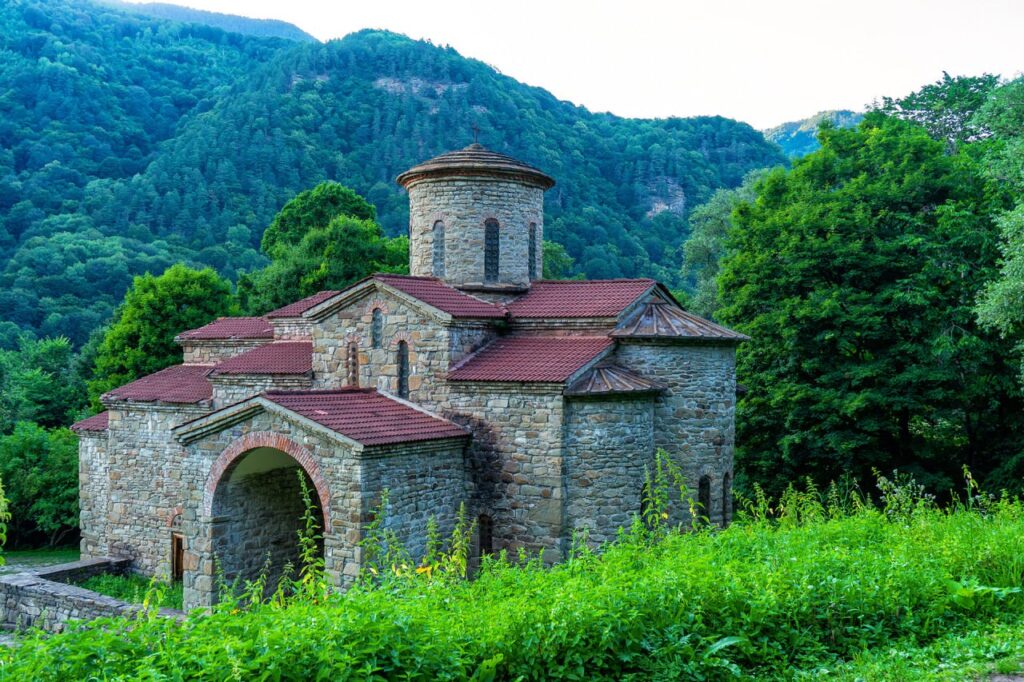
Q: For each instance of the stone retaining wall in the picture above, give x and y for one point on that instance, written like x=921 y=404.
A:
x=43 y=598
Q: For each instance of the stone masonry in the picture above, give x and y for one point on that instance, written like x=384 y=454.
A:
x=538 y=405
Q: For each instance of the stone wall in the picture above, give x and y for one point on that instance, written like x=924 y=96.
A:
x=515 y=460
x=93 y=491
x=256 y=519
x=608 y=444
x=212 y=351
x=463 y=204
x=291 y=328
x=433 y=346
x=229 y=389
x=423 y=481
x=44 y=599
x=147 y=480
x=694 y=420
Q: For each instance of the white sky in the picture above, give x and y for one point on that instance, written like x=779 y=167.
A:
x=760 y=61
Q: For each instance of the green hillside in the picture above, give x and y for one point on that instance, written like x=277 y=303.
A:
x=128 y=143
x=799 y=138
x=264 y=28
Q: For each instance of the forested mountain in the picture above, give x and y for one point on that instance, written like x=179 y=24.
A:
x=128 y=143
x=265 y=28
x=799 y=138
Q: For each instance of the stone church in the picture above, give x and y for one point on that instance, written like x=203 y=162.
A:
x=537 y=403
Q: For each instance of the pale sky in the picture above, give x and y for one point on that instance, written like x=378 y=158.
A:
x=759 y=61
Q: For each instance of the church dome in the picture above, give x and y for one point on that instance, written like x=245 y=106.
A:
x=476 y=161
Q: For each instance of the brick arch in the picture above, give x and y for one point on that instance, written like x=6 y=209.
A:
x=268 y=439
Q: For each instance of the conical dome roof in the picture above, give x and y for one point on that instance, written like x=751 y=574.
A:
x=476 y=161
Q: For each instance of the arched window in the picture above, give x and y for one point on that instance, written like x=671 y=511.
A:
x=533 y=251
x=377 y=328
x=403 y=370
x=726 y=498
x=492 y=247
x=438 y=265
x=352 y=363
x=704 y=498
x=485 y=529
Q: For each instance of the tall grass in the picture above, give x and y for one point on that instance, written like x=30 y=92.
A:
x=816 y=581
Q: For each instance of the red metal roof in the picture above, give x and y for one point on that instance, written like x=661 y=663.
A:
x=97 y=422
x=366 y=416
x=579 y=298
x=436 y=293
x=530 y=358
x=660 y=320
x=232 y=328
x=296 y=309
x=176 y=384
x=282 y=357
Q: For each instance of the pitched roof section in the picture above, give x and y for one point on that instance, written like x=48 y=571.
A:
x=231 y=328
x=561 y=299
x=660 y=320
x=436 y=293
x=93 y=424
x=611 y=379
x=176 y=384
x=531 y=358
x=476 y=160
x=366 y=416
x=296 y=309
x=283 y=357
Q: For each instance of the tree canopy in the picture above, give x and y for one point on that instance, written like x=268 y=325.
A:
x=140 y=340
x=855 y=274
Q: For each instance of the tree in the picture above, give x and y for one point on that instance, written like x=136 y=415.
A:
x=332 y=257
x=558 y=264
x=140 y=339
x=947 y=107
x=39 y=382
x=854 y=273
x=39 y=468
x=314 y=208
x=710 y=224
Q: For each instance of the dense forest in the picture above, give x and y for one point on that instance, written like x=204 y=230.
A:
x=128 y=143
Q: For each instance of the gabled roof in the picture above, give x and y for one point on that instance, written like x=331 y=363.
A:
x=560 y=299
x=299 y=307
x=436 y=293
x=281 y=357
x=531 y=358
x=95 y=423
x=366 y=416
x=231 y=328
x=176 y=384
x=476 y=160
x=609 y=379
x=662 y=320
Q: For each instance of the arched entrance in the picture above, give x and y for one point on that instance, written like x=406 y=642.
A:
x=255 y=507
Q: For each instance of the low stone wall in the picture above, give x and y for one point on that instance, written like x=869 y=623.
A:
x=43 y=598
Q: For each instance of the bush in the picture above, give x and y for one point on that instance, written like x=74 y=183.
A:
x=136 y=589
x=801 y=585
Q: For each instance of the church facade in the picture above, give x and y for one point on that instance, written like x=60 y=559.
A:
x=472 y=380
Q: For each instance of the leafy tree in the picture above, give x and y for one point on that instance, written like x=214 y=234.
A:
x=39 y=382
x=710 y=224
x=331 y=257
x=947 y=107
x=40 y=470
x=311 y=209
x=140 y=339
x=558 y=264
x=855 y=274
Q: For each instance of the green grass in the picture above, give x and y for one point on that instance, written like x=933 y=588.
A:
x=136 y=589
x=811 y=590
